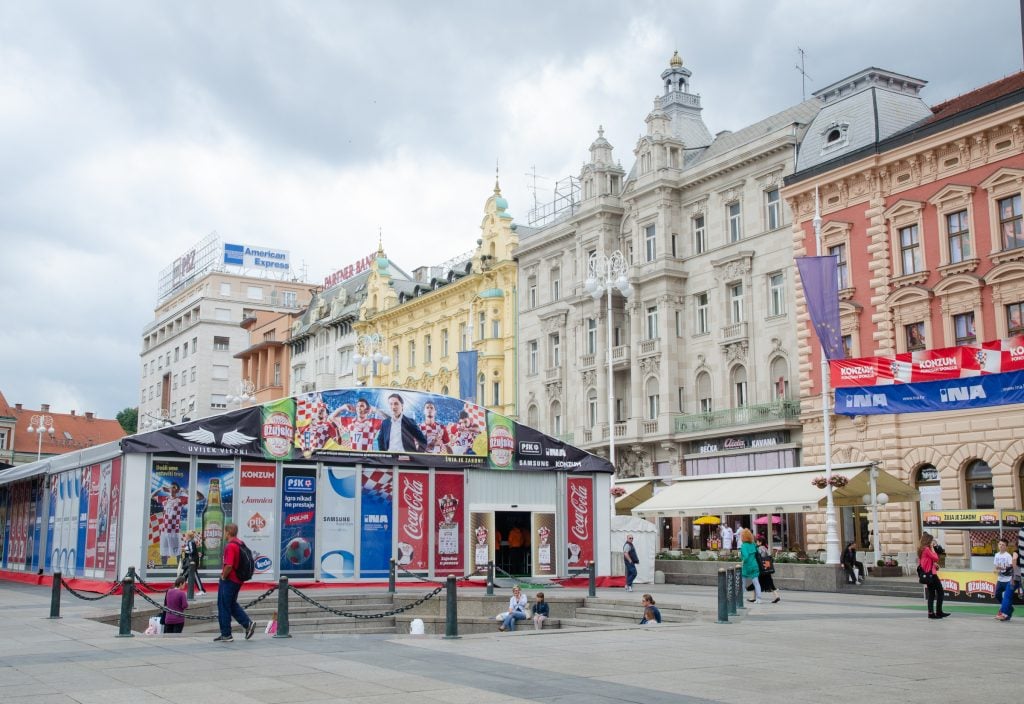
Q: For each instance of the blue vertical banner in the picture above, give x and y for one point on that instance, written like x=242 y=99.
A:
x=298 y=521
x=82 y=485
x=820 y=277
x=51 y=518
x=375 y=530
x=467 y=376
x=39 y=496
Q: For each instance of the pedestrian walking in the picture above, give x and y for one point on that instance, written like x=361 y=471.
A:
x=748 y=553
x=176 y=600
x=193 y=556
x=928 y=561
x=629 y=556
x=1003 y=565
x=228 y=587
x=766 y=565
x=725 y=534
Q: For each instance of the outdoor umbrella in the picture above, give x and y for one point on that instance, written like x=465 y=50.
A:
x=776 y=520
x=707 y=521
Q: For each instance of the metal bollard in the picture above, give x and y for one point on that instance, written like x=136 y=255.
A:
x=282 y=608
x=490 y=578
x=730 y=579
x=451 y=620
x=55 y=596
x=591 y=579
x=723 y=596
x=124 y=622
x=739 y=588
x=191 y=573
x=391 y=577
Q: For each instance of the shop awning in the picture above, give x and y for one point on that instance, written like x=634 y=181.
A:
x=771 y=491
x=636 y=493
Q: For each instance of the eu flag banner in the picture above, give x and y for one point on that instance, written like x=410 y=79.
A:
x=467 y=376
x=820 y=278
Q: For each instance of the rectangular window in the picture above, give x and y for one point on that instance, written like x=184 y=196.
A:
x=842 y=271
x=703 y=322
x=773 y=209
x=481 y=325
x=736 y=302
x=591 y=336
x=652 y=323
x=254 y=293
x=444 y=343
x=184 y=378
x=700 y=242
x=847 y=346
x=910 y=249
x=395 y=358
x=650 y=243
x=495 y=328
x=776 y=294
x=176 y=354
x=218 y=401
x=592 y=410
x=1010 y=217
x=225 y=289
x=221 y=344
x=496 y=393
x=195 y=344
x=675 y=245
x=741 y=393
x=914 y=336
x=531 y=357
x=680 y=398
x=735 y=223
x=277 y=373
x=192 y=374
x=1015 y=319
x=222 y=314
x=556 y=283
x=428 y=349
x=289 y=299
x=554 y=350
x=620 y=410
x=652 y=407
x=463 y=339
x=705 y=405
x=219 y=372
x=959 y=234
x=174 y=381
x=963 y=329
x=679 y=323
x=531 y=292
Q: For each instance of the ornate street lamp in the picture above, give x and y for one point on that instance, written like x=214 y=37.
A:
x=41 y=425
x=369 y=352
x=246 y=393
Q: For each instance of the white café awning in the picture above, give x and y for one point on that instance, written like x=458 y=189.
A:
x=637 y=491
x=770 y=491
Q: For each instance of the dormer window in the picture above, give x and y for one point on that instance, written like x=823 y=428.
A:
x=835 y=136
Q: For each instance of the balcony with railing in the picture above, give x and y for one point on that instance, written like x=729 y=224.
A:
x=586 y=361
x=620 y=355
x=649 y=346
x=734 y=331
x=757 y=414
x=552 y=374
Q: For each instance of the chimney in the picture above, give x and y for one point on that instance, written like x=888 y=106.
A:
x=72 y=412
x=88 y=415
x=17 y=406
x=45 y=408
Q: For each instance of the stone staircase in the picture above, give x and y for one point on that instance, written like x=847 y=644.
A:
x=627 y=612
x=907 y=587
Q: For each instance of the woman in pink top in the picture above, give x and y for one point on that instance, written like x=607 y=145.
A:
x=928 y=559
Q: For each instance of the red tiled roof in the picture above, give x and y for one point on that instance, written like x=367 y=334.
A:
x=85 y=430
x=978 y=96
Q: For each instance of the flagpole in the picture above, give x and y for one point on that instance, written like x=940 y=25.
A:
x=831 y=534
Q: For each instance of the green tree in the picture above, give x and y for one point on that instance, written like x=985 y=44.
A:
x=129 y=420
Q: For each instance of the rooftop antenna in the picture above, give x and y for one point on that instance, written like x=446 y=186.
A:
x=803 y=74
x=532 y=173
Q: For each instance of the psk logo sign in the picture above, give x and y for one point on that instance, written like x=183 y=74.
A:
x=529 y=448
x=298 y=485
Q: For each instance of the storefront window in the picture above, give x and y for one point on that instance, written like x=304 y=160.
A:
x=979 y=485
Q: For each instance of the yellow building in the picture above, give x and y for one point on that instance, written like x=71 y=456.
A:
x=467 y=305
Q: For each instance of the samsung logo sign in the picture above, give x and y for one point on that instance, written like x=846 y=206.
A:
x=962 y=393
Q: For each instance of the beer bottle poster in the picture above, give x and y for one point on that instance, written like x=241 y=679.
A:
x=375 y=534
x=543 y=543
x=450 y=522
x=255 y=513
x=298 y=521
x=168 y=511
x=337 y=523
x=215 y=484
x=413 y=503
x=580 y=513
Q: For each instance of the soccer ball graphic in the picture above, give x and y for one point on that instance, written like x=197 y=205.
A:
x=297 y=551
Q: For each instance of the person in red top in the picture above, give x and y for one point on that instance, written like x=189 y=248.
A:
x=228 y=588
x=928 y=560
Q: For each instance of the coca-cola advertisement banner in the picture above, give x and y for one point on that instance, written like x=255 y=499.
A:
x=92 y=521
x=355 y=426
x=580 y=514
x=413 y=502
x=110 y=514
x=542 y=544
x=375 y=527
x=449 y=521
x=168 y=512
x=338 y=523
x=255 y=514
x=481 y=529
x=298 y=521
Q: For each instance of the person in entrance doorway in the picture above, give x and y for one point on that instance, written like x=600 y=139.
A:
x=854 y=569
x=928 y=561
x=631 y=559
x=1003 y=565
x=228 y=588
x=398 y=432
x=726 y=536
x=751 y=570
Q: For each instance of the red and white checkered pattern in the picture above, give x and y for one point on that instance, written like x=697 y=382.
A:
x=306 y=407
x=378 y=481
x=154 y=529
x=477 y=415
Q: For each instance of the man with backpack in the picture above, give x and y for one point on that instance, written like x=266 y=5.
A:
x=237 y=569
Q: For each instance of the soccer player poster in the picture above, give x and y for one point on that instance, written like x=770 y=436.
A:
x=298 y=521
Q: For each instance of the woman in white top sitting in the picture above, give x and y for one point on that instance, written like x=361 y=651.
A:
x=516 y=611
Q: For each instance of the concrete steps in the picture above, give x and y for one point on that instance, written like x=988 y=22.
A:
x=629 y=612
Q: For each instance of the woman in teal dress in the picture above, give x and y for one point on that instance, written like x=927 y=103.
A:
x=751 y=570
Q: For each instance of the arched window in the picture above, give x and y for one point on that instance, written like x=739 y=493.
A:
x=926 y=480
x=592 y=407
x=739 y=386
x=444 y=390
x=780 y=378
x=653 y=399
x=531 y=416
x=1020 y=482
x=704 y=404
x=978 y=481
x=556 y=418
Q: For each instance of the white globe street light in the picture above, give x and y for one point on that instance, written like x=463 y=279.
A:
x=246 y=393
x=369 y=353
x=41 y=425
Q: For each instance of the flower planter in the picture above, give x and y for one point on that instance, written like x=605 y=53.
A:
x=889 y=571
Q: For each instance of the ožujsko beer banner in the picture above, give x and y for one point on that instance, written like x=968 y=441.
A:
x=996 y=357
x=948 y=395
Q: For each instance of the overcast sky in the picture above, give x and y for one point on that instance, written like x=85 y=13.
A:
x=131 y=130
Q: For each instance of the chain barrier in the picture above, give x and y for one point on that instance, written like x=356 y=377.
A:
x=140 y=580
x=193 y=617
x=350 y=614
x=421 y=578
x=83 y=597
